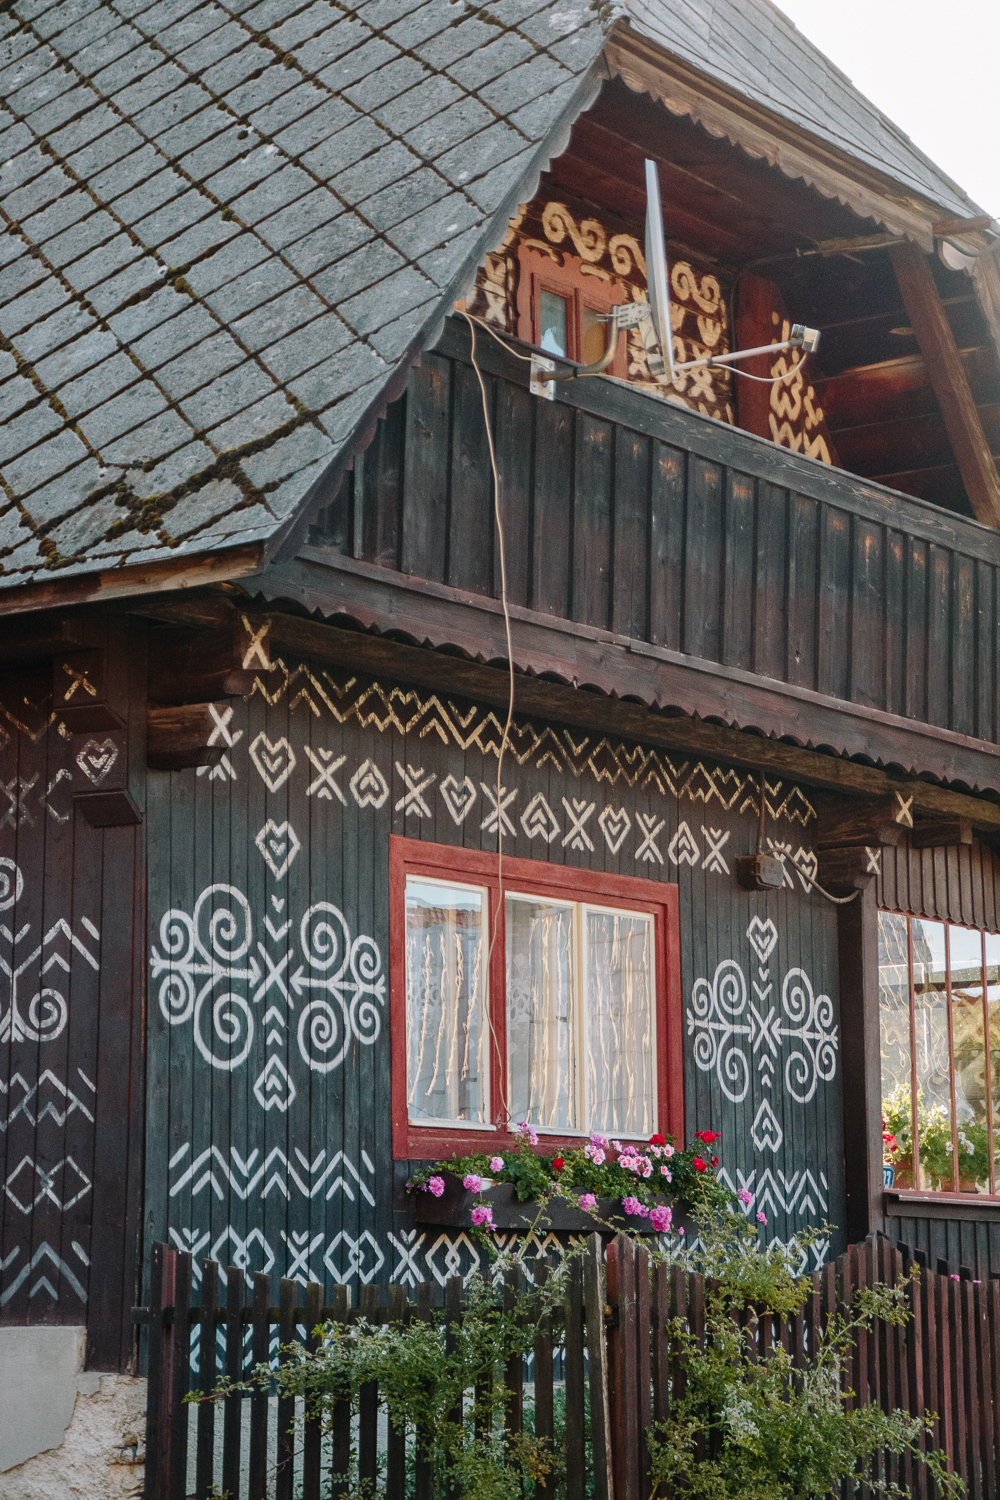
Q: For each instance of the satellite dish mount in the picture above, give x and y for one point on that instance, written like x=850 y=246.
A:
x=653 y=318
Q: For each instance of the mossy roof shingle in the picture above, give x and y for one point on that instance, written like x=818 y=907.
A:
x=227 y=225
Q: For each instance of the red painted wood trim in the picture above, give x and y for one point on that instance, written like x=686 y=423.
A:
x=660 y=900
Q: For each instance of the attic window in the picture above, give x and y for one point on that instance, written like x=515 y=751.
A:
x=553 y=322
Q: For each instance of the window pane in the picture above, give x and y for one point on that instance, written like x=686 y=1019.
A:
x=993 y=1006
x=542 y=1045
x=966 y=959
x=446 y=1033
x=595 y=336
x=894 y=1024
x=621 y=1063
x=552 y=318
x=932 y=1061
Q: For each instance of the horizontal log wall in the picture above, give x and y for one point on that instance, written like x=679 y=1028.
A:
x=630 y=515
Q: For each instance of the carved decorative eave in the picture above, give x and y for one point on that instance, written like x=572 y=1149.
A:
x=648 y=69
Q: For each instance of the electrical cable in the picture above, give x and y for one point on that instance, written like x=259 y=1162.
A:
x=486 y=327
x=764 y=379
x=505 y=737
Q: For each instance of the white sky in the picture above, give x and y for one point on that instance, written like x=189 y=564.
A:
x=933 y=68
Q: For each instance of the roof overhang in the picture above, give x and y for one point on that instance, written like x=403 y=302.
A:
x=645 y=67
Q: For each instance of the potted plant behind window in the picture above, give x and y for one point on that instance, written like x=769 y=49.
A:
x=645 y=1186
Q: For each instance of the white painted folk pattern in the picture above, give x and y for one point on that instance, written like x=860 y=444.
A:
x=43 y=1017
x=215 y=976
x=30 y=1106
x=20 y=1273
x=257 y=1175
x=724 y=1021
x=275 y=761
x=408 y=1256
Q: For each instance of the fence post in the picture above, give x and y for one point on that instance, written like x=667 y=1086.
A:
x=395 y=1468
x=283 y=1480
x=622 y=1371
x=545 y=1487
x=205 y=1453
x=260 y=1349
x=597 y=1360
x=179 y=1376
x=340 y=1416
x=232 y=1419
x=159 y=1386
x=573 y=1368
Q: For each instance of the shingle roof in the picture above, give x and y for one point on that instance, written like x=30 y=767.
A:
x=227 y=221
x=230 y=224
x=754 y=48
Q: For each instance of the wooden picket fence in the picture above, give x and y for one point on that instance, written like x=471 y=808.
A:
x=609 y=1345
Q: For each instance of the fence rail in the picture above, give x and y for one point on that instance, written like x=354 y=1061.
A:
x=607 y=1349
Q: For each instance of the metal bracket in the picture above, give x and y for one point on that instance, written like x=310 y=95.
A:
x=536 y=385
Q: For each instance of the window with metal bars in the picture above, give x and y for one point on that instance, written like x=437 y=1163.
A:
x=939 y=1012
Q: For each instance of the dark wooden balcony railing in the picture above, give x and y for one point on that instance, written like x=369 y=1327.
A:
x=640 y=519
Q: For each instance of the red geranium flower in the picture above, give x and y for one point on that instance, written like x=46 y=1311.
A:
x=558 y=1162
x=708 y=1136
x=699 y=1165
x=715 y=1161
x=657 y=1140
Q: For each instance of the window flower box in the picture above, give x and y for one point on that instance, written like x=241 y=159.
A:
x=455 y=1205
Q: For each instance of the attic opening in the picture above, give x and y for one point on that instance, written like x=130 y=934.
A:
x=752 y=251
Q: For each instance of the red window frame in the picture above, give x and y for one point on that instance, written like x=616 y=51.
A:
x=568 y=883
x=540 y=274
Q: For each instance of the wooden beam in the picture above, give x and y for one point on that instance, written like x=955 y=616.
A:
x=941 y=833
x=948 y=378
x=851 y=869
x=25 y=639
x=944 y=227
x=882 y=823
x=548 y=700
x=381 y=656
x=178 y=737
x=202 y=665
x=986 y=281
x=861 y=1058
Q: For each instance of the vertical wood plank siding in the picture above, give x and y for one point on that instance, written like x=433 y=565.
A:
x=834 y=586
x=71 y=1024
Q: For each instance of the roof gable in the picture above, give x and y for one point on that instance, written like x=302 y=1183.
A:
x=231 y=227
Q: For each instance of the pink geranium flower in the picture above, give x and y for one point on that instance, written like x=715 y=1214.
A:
x=496 y=1163
x=587 y=1202
x=762 y=1218
x=661 y=1219
x=472 y=1183
x=745 y=1198
x=666 y=1172
x=482 y=1216
x=633 y=1206
x=435 y=1185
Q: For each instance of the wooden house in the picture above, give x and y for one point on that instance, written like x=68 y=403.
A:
x=260 y=631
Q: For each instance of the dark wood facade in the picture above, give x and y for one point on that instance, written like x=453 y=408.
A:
x=646 y=523
x=703 y=582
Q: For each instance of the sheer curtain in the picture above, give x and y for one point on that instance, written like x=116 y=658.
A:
x=542 y=1022
x=446 y=1028
x=619 y=1020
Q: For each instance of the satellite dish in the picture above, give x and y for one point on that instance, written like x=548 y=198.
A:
x=653 y=318
x=658 y=287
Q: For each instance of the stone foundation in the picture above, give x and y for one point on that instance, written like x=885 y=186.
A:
x=66 y=1434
